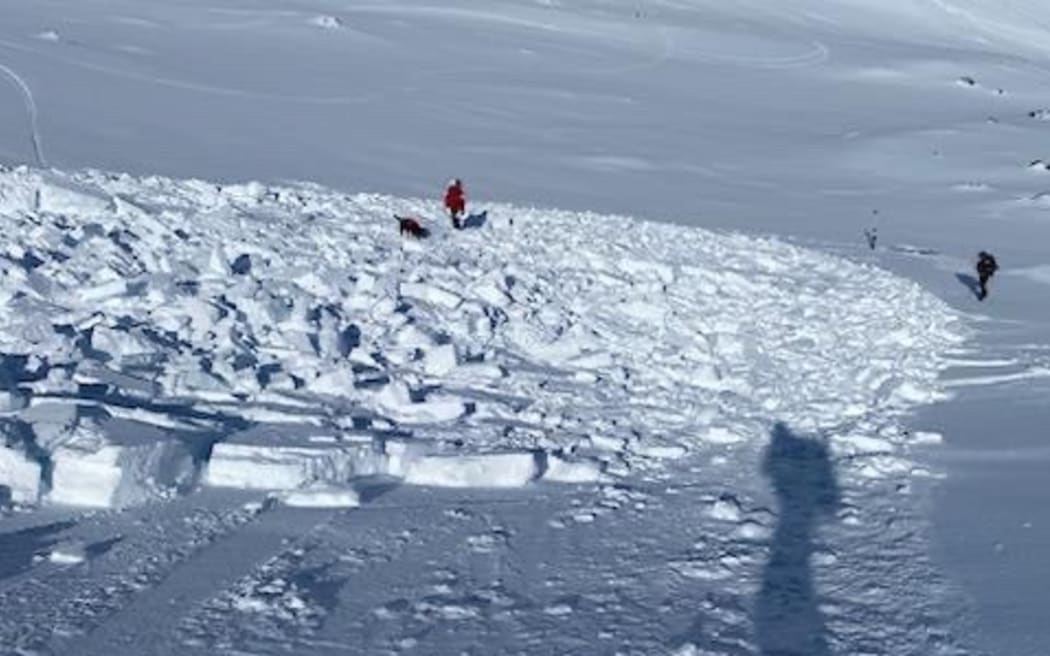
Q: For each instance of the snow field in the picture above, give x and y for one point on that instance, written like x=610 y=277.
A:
x=535 y=345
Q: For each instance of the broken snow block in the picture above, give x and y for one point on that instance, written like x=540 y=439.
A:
x=20 y=475
x=469 y=471
x=116 y=475
x=323 y=496
x=439 y=360
x=394 y=401
x=59 y=195
x=289 y=458
x=572 y=470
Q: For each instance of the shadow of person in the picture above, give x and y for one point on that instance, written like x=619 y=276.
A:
x=971 y=283
x=787 y=619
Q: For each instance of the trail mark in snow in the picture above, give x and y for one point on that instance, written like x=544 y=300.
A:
x=30 y=102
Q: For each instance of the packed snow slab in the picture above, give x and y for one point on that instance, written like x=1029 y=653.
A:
x=117 y=475
x=19 y=477
x=299 y=305
x=292 y=458
x=478 y=471
x=320 y=467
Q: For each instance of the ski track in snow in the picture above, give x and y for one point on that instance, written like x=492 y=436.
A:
x=31 y=110
x=181 y=84
x=170 y=339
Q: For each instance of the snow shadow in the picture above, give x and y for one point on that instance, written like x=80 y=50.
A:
x=18 y=548
x=787 y=618
x=971 y=283
x=476 y=221
x=102 y=547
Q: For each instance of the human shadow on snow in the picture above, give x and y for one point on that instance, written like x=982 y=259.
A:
x=970 y=282
x=787 y=618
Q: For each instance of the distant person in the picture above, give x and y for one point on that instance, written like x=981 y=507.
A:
x=872 y=236
x=986 y=268
x=456 y=202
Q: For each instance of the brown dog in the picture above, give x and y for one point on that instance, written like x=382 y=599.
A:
x=411 y=226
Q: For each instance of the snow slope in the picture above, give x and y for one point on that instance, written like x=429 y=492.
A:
x=796 y=118
x=166 y=337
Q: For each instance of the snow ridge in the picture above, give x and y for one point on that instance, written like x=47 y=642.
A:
x=292 y=337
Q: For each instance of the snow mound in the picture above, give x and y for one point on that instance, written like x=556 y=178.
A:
x=322 y=496
x=327 y=22
x=469 y=358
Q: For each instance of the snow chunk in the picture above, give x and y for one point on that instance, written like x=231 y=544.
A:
x=60 y=195
x=323 y=496
x=69 y=553
x=926 y=437
x=563 y=470
x=725 y=508
x=274 y=459
x=431 y=294
x=116 y=475
x=20 y=475
x=722 y=435
x=488 y=470
x=851 y=445
x=326 y=22
x=395 y=402
x=440 y=360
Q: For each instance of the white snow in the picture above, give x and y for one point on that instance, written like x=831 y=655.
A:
x=571 y=470
x=128 y=281
x=68 y=553
x=289 y=459
x=484 y=470
x=198 y=342
x=322 y=497
x=116 y=475
x=20 y=475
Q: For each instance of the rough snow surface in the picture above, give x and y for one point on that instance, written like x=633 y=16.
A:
x=280 y=393
x=489 y=346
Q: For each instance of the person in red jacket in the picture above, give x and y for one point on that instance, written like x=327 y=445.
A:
x=456 y=201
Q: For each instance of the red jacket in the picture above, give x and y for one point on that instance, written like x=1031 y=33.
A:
x=455 y=200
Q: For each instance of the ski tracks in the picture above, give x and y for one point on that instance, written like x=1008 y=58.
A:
x=154 y=615
x=67 y=604
x=31 y=110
